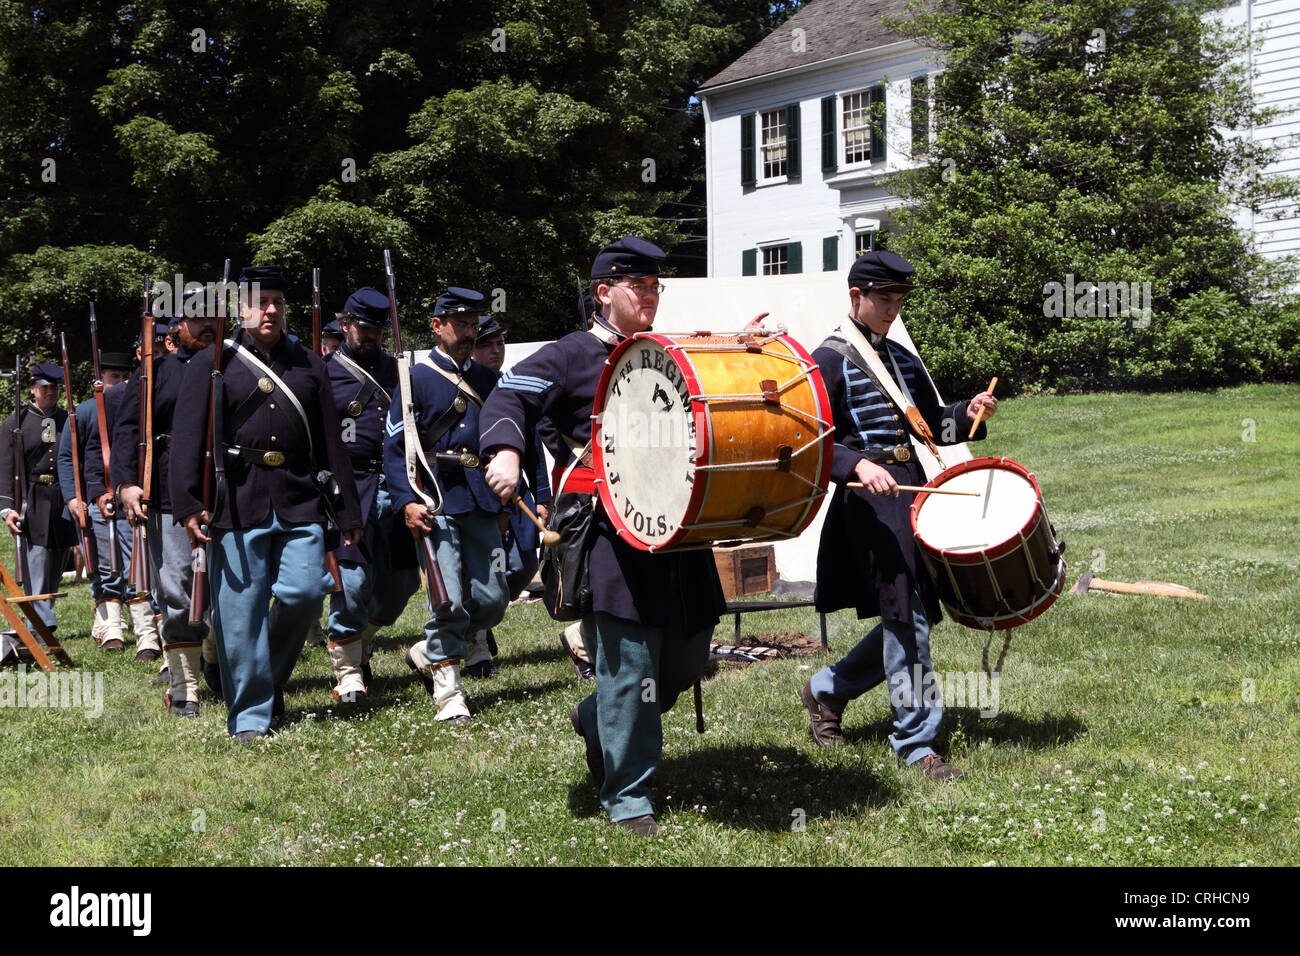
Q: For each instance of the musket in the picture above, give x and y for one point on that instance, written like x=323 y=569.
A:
x=144 y=452
x=331 y=562
x=435 y=587
x=84 y=534
x=212 y=462
x=315 y=311
x=20 y=472
x=114 y=563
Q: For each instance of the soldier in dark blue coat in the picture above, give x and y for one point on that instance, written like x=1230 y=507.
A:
x=46 y=534
x=519 y=538
x=447 y=391
x=169 y=551
x=110 y=591
x=867 y=556
x=380 y=573
x=266 y=559
x=652 y=614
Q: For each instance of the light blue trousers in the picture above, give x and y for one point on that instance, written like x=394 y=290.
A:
x=639 y=673
x=898 y=651
x=473 y=566
x=267 y=584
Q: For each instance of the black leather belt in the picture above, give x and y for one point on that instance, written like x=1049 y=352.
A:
x=267 y=458
x=367 y=466
x=890 y=455
x=456 y=460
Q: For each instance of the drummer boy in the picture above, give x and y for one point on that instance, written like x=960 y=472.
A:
x=867 y=556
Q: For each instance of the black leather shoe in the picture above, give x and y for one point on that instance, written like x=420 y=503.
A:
x=582 y=668
x=351 y=697
x=595 y=759
x=212 y=676
x=112 y=644
x=825 y=722
x=482 y=669
x=147 y=654
x=180 y=707
x=642 y=826
x=460 y=720
x=248 y=736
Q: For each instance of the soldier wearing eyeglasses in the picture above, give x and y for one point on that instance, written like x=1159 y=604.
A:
x=651 y=615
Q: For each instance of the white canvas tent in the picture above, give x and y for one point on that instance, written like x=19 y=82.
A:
x=808 y=306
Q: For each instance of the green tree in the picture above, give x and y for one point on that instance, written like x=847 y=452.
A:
x=1084 y=141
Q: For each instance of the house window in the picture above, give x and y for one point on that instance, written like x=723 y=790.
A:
x=864 y=242
x=774 y=146
x=857 y=128
x=776 y=261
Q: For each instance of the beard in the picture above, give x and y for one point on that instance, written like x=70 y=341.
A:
x=190 y=342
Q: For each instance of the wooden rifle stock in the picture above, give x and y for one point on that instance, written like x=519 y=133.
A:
x=435 y=586
x=199 y=556
x=84 y=534
x=114 y=562
x=139 y=576
x=20 y=472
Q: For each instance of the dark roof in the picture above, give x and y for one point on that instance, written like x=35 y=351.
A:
x=832 y=28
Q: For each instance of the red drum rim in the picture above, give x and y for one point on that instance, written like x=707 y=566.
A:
x=998 y=550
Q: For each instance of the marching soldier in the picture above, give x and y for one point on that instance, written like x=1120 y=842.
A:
x=169 y=551
x=652 y=614
x=331 y=337
x=380 y=573
x=447 y=391
x=867 y=555
x=519 y=537
x=109 y=590
x=282 y=473
x=28 y=458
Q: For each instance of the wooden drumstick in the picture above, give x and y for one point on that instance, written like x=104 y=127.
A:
x=549 y=538
x=979 y=416
x=919 y=488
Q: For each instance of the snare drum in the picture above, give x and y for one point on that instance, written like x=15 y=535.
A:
x=701 y=438
x=995 y=558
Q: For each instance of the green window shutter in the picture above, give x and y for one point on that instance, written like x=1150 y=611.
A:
x=792 y=152
x=749 y=262
x=876 y=103
x=828 y=134
x=747 y=168
x=794 y=258
x=830 y=253
x=920 y=115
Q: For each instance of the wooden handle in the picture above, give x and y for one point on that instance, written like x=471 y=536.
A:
x=549 y=538
x=979 y=416
x=919 y=488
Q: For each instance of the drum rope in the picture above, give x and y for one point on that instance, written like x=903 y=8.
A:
x=1001 y=657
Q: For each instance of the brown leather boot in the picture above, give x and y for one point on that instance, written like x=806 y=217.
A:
x=825 y=722
x=936 y=768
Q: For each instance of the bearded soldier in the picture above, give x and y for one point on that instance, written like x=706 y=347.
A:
x=379 y=573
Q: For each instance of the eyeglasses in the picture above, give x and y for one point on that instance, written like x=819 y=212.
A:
x=643 y=288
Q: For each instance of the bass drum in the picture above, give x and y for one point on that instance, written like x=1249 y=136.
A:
x=704 y=439
x=994 y=558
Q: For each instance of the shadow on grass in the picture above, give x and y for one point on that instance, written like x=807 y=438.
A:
x=1047 y=730
x=713 y=778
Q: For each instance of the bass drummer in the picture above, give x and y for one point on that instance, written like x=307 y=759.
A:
x=652 y=615
x=883 y=403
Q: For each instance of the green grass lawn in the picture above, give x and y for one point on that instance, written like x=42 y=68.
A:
x=1131 y=730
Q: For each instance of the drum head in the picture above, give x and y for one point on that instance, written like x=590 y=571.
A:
x=1007 y=502
x=646 y=449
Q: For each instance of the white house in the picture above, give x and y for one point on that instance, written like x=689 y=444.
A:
x=800 y=129
x=794 y=144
